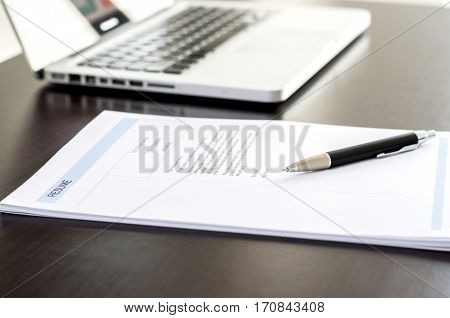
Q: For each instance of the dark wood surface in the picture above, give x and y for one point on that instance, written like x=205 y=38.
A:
x=403 y=85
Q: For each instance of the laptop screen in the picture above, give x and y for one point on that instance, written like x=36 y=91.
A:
x=50 y=30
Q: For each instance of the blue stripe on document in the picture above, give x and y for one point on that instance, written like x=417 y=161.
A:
x=439 y=186
x=75 y=173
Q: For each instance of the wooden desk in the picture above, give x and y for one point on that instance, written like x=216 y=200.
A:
x=403 y=85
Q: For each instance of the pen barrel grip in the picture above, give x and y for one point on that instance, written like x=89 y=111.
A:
x=371 y=149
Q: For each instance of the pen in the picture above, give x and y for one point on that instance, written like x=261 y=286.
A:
x=375 y=149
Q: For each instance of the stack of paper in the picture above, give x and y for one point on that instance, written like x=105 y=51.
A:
x=223 y=175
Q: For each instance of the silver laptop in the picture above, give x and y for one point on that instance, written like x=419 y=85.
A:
x=235 y=50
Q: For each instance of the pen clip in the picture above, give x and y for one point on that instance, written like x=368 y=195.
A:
x=404 y=149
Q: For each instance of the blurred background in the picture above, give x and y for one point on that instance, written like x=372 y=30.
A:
x=10 y=48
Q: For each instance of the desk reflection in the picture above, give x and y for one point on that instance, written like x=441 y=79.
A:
x=59 y=101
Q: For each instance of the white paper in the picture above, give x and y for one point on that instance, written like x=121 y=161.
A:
x=399 y=200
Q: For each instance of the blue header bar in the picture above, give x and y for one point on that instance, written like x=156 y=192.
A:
x=75 y=173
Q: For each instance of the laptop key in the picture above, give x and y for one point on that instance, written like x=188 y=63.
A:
x=130 y=58
x=163 y=54
x=138 y=53
x=151 y=47
x=151 y=58
x=104 y=59
x=119 y=65
x=138 y=66
x=176 y=69
x=158 y=67
x=117 y=54
x=99 y=64
x=188 y=61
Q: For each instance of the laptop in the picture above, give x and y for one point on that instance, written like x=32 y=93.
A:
x=234 y=50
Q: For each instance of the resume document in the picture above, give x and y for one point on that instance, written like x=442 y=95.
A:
x=225 y=175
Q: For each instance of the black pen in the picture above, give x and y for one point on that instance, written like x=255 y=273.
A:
x=374 y=149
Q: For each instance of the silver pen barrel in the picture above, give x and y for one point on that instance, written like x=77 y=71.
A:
x=318 y=162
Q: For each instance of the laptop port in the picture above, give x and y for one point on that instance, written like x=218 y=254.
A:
x=160 y=85
x=90 y=80
x=58 y=76
x=103 y=80
x=118 y=82
x=136 y=83
x=74 y=78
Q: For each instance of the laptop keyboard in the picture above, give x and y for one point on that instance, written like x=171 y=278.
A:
x=179 y=42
